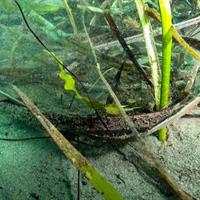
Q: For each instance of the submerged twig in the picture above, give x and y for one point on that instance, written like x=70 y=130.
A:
x=78 y=160
x=123 y=43
x=116 y=86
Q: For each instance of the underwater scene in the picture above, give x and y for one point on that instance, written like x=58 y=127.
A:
x=99 y=99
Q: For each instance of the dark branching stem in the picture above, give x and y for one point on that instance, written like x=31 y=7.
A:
x=59 y=62
x=123 y=43
x=117 y=83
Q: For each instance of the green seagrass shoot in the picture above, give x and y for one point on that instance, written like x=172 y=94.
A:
x=166 y=20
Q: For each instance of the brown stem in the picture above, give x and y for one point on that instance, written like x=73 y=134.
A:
x=123 y=43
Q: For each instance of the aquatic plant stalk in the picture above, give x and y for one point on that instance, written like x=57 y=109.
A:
x=77 y=159
x=166 y=20
x=111 y=92
x=126 y=48
x=71 y=17
x=153 y=13
x=151 y=50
